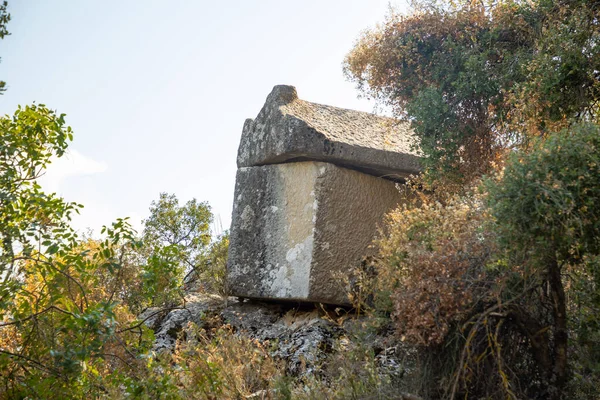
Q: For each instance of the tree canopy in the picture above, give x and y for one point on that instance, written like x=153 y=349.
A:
x=4 y=19
x=477 y=78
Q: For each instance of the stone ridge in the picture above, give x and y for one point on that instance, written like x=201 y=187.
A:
x=289 y=129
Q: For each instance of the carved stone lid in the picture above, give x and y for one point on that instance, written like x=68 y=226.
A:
x=288 y=129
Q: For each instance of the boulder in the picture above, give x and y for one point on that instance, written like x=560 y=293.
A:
x=168 y=323
x=289 y=129
x=299 y=229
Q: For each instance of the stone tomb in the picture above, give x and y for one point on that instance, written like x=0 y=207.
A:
x=309 y=197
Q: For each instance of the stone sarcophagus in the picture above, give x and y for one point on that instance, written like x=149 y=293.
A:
x=313 y=185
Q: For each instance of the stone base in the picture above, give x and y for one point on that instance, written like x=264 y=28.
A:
x=299 y=228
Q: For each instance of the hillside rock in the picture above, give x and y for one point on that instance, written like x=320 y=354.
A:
x=304 y=337
x=168 y=323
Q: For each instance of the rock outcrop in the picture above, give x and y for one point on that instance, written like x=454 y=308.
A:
x=168 y=323
x=301 y=337
x=310 y=195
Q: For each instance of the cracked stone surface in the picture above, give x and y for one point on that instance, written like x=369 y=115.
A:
x=302 y=337
x=168 y=324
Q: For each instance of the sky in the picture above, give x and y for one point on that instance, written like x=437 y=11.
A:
x=157 y=92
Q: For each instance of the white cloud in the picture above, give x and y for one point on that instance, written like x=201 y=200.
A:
x=73 y=163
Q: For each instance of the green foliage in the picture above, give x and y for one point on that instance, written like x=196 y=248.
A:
x=475 y=78
x=186 y=227
x=55 y=329
x=4 y=19
x=68 y=305
x=161 y=277
x=211 y=277
x=546 y=200
x=499 y=289
x=563 y=74
x=175 y=239
x=27 y=215
x=548 y=222
x=27 y=141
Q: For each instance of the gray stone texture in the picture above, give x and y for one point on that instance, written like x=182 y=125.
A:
x=289 y=129
x=299 y=228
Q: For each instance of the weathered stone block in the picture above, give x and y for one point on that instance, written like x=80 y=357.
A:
x=290 y=129
x=299 y=227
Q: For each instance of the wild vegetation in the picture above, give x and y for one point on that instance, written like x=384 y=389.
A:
x=69 y=304
x=488 y=277
x=492 y=272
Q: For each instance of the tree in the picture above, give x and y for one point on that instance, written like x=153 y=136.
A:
x=69 y=305
x=211 y=277
x=4 y=19
x=500 y=289
x=187 y=227
x=477 y=78
x=501 y=284
x=58 y=327
x=548 y=220
x=175 y=239
x=28 y=140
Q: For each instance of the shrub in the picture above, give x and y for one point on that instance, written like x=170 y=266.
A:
x=436 y=252
x=499 y=289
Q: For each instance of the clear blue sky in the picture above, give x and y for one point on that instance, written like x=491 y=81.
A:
x=157 y=92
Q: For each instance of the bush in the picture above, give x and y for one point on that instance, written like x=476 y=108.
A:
x=436 y=252
x=211 y=276
x=499 y=289
x=548 y=222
